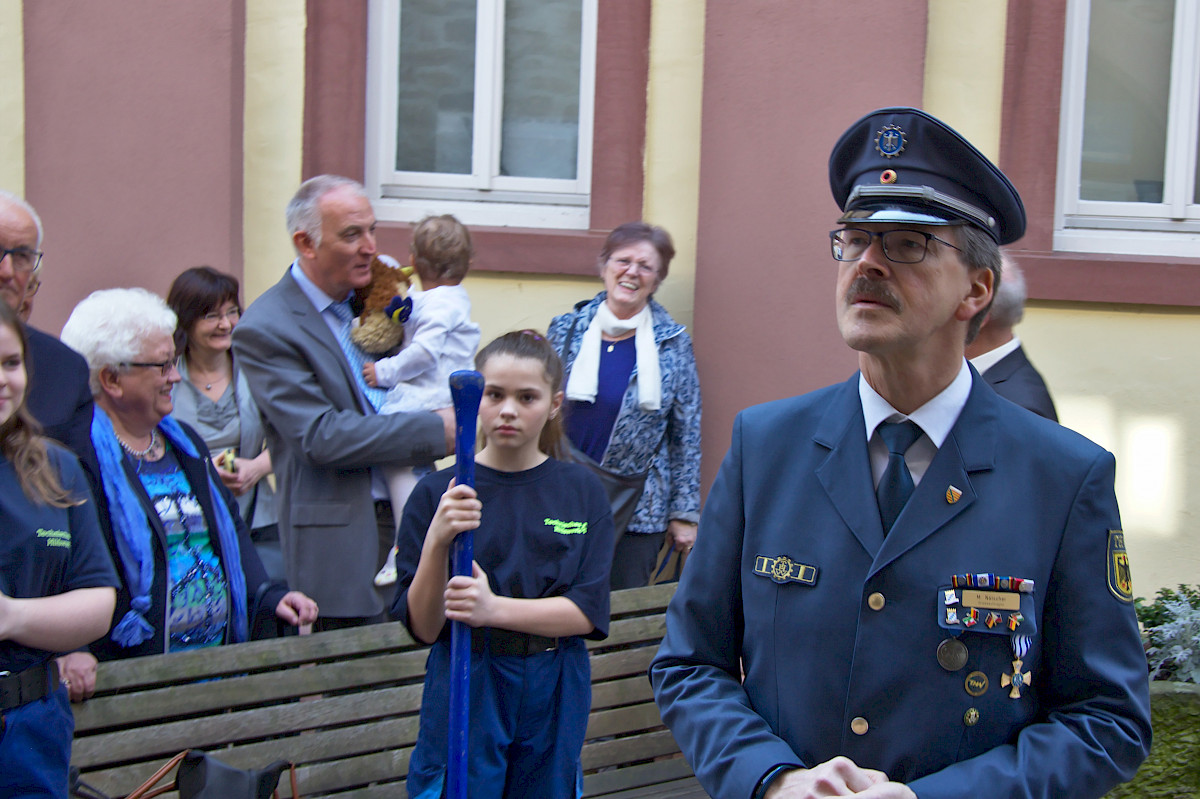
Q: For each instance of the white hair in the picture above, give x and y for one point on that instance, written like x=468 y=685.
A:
x=304 y=211
x=8 y=196
x=1008 y=306
x=110 y=327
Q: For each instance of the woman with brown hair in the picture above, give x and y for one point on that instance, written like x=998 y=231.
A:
x=56 y=584
x=214 y=398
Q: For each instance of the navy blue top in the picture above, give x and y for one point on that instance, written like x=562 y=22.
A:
x=545 y=532
x=590 y=424
x=45 y=551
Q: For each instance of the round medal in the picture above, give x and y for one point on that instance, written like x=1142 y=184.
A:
x=952 y=654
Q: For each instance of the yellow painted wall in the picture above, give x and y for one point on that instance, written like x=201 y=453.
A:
x=272 y=136
x=1126 y=377
x=964 y=68
x=672 y=194
x=12 y=98
x=1123 y=376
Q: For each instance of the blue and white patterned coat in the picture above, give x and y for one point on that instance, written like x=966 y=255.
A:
x=666 y=441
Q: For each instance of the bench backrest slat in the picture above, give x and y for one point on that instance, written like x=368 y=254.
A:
x=344 y=706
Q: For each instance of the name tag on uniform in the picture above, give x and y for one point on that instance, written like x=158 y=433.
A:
x=992 y=600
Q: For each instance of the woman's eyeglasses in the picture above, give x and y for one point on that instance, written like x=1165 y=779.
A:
x=233 y=314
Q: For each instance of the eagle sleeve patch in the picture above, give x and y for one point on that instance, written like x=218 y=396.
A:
x=1120 y=582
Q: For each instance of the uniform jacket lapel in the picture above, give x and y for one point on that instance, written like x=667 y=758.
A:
x=845 y=473
x=309 y=320
x=970 y=448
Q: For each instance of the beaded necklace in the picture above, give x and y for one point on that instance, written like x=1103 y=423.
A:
x=140 y=454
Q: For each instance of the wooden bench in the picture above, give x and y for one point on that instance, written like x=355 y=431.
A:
x=343 y=706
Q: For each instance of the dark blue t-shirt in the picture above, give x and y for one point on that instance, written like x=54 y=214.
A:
x=544 y=532
x=45 y=551
x=590 y=424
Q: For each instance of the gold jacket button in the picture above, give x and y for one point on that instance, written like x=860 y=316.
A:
x=876 y=601
x=859 y=725
x=971 y=717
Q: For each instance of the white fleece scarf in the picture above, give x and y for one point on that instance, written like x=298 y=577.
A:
x=581 y=386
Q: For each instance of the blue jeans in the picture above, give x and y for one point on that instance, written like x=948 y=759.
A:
x=528 y=720
x=35 y=747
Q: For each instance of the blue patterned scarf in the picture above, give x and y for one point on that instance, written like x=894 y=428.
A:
x=134 y=538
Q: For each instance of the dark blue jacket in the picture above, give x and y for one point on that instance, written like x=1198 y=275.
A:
x=845 y=661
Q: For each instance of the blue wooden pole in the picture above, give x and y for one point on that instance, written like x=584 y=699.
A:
x=466 y=390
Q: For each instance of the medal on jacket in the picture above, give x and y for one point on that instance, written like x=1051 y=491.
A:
x=995 y=605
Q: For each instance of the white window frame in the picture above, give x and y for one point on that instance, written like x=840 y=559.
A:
x=1169 y=228
x=485 y=197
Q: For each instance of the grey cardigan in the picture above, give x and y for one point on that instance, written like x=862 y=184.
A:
x=260 y=501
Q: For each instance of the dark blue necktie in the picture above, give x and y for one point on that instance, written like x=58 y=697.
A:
x=896 y=485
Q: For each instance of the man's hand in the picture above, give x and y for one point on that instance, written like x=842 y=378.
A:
x=77 y=671
x=837 y=777
x=297 y=608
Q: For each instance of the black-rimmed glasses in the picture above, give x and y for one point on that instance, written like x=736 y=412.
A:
x=164 y=367
x=23 y=259
x=899 y=246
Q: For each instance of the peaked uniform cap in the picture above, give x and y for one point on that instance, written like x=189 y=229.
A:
x=904 y=165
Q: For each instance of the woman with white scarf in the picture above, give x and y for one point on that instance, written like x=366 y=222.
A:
x=633 y=395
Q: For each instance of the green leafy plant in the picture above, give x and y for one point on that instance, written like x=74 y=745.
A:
x=1171 y=626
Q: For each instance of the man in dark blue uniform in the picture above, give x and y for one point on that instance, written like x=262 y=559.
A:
x=59 y=396
x=905 y=585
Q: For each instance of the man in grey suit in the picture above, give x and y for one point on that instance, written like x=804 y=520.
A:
x=326 y=440
x=997 y=354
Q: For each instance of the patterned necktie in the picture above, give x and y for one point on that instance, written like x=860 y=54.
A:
x=354 y=355
x=896 y=485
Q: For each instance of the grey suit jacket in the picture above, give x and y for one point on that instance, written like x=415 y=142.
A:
x=323 y=445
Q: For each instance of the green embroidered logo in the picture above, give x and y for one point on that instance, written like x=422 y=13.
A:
x=567 y=528
x=55 y=538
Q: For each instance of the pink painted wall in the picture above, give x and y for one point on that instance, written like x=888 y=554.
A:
x=134 y=142
x=782 y=81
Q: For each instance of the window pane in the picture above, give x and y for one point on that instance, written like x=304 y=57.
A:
x=1196 y=185
x=435 y=111
x=1125 y=112
x=540 y=133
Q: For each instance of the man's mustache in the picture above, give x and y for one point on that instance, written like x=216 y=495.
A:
x=865 y=289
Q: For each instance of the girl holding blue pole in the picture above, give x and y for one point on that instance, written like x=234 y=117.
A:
x=543 y=542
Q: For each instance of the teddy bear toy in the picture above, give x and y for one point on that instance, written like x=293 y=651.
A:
x=386 y=306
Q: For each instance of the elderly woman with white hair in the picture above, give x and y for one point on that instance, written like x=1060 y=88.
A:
x=190 y=575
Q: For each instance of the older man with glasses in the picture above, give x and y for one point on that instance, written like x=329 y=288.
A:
x=59 y=397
